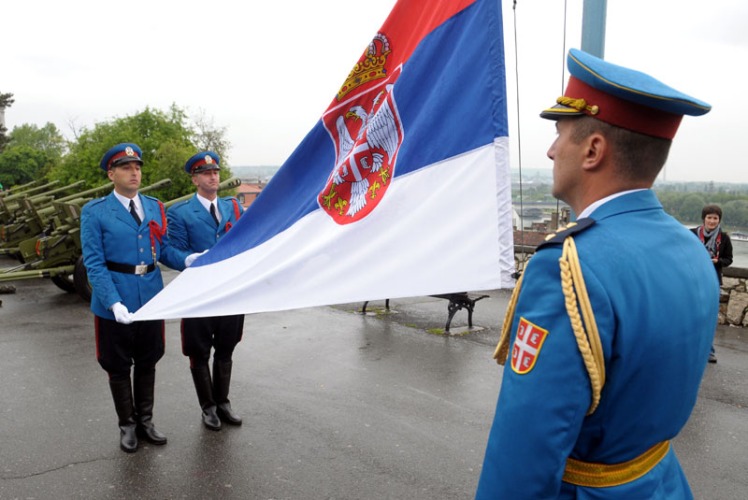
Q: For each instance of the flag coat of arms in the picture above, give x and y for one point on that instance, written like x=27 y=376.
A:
x=401 y=189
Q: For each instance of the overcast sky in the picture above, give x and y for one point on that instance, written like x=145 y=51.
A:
x=267 y=70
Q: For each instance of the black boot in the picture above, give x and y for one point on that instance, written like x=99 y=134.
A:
x=221 y=383
x=122 y=396
x=204 y=389
x=144 y=382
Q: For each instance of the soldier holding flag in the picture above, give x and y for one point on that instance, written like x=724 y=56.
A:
x=196 y=225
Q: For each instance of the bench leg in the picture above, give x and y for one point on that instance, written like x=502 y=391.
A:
x=452 y=308
x=386 y=306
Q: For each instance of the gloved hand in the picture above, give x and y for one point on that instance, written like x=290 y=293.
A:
x=191 y=258
x=121 y=314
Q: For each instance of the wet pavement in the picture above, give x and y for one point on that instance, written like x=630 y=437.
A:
x=336 y=405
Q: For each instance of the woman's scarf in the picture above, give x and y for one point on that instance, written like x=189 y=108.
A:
x=711 y=239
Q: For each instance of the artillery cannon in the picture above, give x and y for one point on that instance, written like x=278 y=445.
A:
x=58 y=254
x=15 y=189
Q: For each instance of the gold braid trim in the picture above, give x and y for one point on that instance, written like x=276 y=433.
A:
x=578 y=104
x=597 y=475
x=502 y=348
x=576 y=299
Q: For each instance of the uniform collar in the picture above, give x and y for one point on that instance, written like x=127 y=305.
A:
x=590 y=209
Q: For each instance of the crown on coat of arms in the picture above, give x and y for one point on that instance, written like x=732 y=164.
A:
x=371 y=67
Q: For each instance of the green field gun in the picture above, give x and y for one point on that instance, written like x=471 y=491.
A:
x=14 y=208
x=56 y=252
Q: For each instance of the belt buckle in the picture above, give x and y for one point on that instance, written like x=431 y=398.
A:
x=141 y=269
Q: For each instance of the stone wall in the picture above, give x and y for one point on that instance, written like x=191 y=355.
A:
x=734 y=297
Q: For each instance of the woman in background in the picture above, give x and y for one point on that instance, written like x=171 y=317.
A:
x=717 y=243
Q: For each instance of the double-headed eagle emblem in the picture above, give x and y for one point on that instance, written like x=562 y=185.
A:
x=367 y=133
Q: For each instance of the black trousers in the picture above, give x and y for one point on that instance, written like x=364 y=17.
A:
x=221 y=333
x=120 y=346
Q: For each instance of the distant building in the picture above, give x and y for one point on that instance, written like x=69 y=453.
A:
x=248 y=192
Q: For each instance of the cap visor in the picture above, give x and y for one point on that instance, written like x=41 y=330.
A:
x=559 y=111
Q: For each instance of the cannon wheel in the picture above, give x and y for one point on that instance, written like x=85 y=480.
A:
x=80 y=280
x=64 y=282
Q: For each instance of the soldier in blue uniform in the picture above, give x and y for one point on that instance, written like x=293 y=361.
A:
x=124 y=237
x=608 y=332
x=196 y=225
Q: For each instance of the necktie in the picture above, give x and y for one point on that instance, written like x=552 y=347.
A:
x=213 y=213
x=134 y=212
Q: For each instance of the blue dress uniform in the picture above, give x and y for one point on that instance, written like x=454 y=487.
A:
x=109 y=234
x=606 y=340
x=192 y=228
x=121 y=256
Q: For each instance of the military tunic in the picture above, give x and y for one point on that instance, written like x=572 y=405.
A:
x=109 y=234
x=192 y=228
x=655 y=311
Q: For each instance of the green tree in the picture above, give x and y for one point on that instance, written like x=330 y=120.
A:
x=165 y=137
x=735 y=213
x=47 y=139
x=6 y=101
x=22 y=164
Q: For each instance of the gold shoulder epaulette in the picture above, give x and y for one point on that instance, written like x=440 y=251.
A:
x=559 y=236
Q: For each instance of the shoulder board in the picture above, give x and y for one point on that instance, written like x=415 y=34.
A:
x=96 y=201
x=180 y=204
x=150 y=198
x=229 y=198
x=573 y=228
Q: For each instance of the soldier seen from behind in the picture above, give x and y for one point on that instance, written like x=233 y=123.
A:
x=607 y=334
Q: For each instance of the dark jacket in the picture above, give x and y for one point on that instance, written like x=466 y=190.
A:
x=724 y=249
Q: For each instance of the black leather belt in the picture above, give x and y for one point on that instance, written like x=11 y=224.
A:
x=140 y=269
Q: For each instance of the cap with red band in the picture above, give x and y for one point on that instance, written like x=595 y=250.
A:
x=622 y=97
x=202 y=162
x=121 y=153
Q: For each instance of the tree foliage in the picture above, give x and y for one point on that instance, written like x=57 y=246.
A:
x=22 y=164
x=167 y=141
x=6 y=101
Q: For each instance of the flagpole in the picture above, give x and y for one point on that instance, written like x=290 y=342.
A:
x=593 y=27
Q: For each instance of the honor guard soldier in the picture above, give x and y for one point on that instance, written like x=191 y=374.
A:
x=196 y=225
x=124 y=237
x=607 y=334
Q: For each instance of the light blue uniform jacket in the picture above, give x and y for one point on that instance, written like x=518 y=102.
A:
x=192 y=228
x=655 y=297
x=109 y=233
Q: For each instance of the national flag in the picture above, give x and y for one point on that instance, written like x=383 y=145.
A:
x=401 y=189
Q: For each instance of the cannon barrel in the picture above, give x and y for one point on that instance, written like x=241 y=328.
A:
x=36 y=273
x=35 y=189
x=231 y=183
x=16 y=189
x=41 y=196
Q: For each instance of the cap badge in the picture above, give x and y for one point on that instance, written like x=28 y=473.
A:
x=208 y=159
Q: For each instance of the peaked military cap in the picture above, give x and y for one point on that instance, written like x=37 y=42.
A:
x=201 y=162
x=121 y=153
x=622 y=97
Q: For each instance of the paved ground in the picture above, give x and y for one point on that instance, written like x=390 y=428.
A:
x=336 y=405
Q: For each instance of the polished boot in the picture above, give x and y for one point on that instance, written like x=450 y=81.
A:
x=221 y=383
x=122 y=396
x=204 y=389
x=144 y=382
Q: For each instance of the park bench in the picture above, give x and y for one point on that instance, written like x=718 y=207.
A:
x=457 y=301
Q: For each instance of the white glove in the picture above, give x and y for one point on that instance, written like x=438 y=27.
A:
x=191 y=258
x=121 y=314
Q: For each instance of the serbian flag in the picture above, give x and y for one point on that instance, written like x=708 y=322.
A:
x=401 y=189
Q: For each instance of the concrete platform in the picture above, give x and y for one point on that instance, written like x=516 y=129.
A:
x=336 y=404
